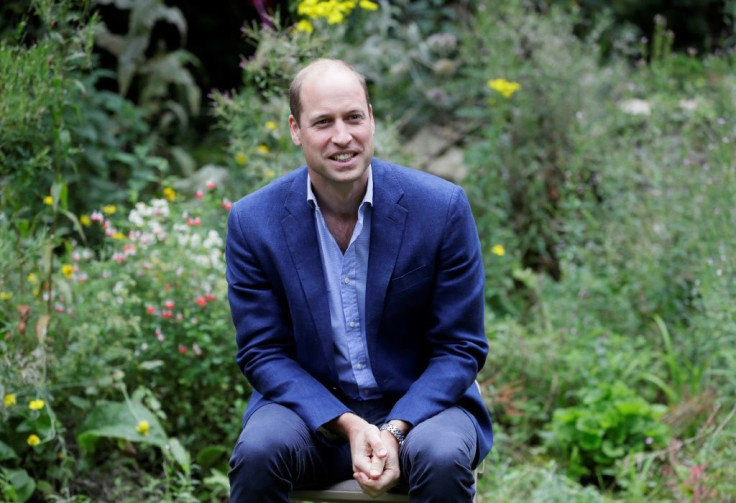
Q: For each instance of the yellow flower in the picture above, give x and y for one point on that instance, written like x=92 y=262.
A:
x=304 y=26
x=33 y=440
x=505 y=87
x=270 y=174
x=118 y=235
x=335 y=17
x=109 y=209
x=48 y=200
x=32 y=278
x=67 y=270
x=498 y=250
x=169 y=194
x=36 y=404
x=271 y=126
x=9 y=400
x=85 y=220
x=142 y=427
x=240 y=158
x=368 y=5
x=5 y=295
x=263 y=149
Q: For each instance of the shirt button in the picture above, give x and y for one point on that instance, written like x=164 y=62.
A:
x=346 y=280
x=352 y=324
x=359 y=366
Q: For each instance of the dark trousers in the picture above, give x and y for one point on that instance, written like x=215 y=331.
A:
x=276 y=452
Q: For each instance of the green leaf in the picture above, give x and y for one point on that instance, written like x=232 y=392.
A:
x=181 y=455
x=120 y=420
x=210 y=455
x=7 y=452
x=20 y=480
x=611 y=450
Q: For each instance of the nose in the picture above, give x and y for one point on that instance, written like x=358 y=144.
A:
x=341 y=134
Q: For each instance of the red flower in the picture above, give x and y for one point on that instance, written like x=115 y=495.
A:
x=211 y=185
x=166 y=314
x=210 y=296
x=150 y=309
x=169 y=304
x=199 y=194
x=182 y=349
x=201 y=301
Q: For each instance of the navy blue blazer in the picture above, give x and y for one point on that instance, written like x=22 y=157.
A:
x=424 y=300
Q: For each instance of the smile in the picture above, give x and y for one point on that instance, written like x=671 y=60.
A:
x=343 y=157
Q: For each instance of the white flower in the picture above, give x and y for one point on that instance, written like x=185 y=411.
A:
x=635 y=107
x=689 y=105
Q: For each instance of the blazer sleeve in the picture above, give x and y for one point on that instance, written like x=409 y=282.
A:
x=264 y=337
x=456 y=333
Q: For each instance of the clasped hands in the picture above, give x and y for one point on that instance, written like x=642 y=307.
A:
x=374 y=453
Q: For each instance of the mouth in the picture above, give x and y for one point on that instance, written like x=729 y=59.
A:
x=343 y=157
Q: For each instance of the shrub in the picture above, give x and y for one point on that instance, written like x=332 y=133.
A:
x=611 y=422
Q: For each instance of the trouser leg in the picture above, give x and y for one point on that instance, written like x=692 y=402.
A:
x=437 y=457
x=277 y=452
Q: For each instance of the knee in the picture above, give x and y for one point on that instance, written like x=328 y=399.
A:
x=440 y=456
x=259 y=448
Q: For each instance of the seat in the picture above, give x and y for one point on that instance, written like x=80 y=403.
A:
x=349 y=490
x=345 y=491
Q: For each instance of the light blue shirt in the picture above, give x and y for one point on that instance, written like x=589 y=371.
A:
x=345 y=277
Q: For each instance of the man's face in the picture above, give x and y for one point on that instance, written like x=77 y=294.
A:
x=335 y=129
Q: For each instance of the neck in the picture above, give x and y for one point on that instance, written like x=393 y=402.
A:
x=340 y=200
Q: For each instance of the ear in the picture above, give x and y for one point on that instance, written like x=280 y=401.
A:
x=296 y=136
x=373 y=123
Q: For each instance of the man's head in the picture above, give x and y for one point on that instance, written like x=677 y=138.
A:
x=295 y=100
x=332 y=121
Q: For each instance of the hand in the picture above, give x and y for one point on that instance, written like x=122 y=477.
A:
x=389 y=477
x=367 y=448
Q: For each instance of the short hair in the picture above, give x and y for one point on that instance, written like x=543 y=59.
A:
x=295 y=89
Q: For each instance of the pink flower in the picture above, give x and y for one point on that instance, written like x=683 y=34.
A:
x=169 y=304
x=199 y=194
x=201 y=301
x=150 y=309
x=194 y=222
x=211 y=185
x=210 y=296
x=227 y=204
x=197 y=350
x=159 y=335
x=182 y=349
x=166 y=314
x=96 y=216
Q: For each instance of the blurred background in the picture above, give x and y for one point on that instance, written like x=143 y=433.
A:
x=595 y=140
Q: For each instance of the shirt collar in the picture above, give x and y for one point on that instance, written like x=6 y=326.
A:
x=367 y=199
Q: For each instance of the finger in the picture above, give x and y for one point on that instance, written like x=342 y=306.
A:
x=377 y=465
x=377 y=446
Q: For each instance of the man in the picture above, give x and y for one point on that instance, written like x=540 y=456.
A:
x=356 y=290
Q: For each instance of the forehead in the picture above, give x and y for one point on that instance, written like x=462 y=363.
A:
x=331 y=90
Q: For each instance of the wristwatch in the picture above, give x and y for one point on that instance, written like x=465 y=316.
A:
x=393 y=430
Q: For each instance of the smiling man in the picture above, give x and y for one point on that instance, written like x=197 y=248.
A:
x=356 y=289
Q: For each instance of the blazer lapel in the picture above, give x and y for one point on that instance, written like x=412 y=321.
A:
x=387 y=230
x=301 y=238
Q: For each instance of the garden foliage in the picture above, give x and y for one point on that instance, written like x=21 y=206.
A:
x=600 y=168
